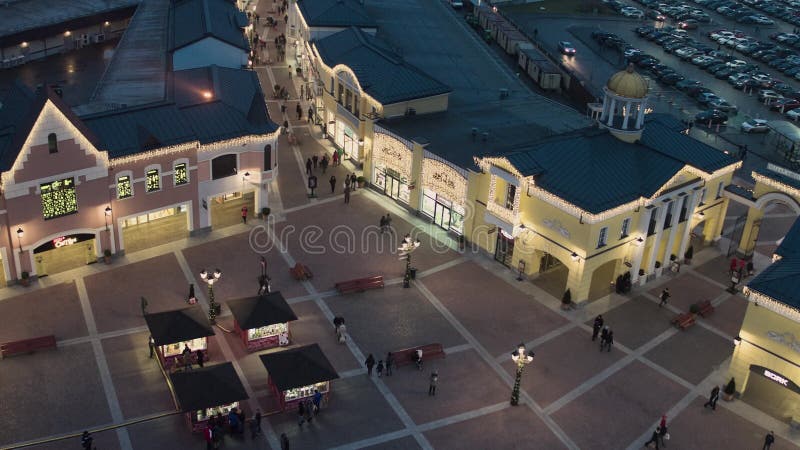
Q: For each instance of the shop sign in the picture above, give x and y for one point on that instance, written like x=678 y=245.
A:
x=64 y=241
x=775 y=377
x=787 y=339
x=442 y=179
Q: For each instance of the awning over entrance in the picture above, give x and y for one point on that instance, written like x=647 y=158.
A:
x=208 y=387
x=298 y=367
x=180 y=325
x=260 y=311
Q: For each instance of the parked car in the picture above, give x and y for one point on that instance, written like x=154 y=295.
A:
x=685 y=52
x=685 y=84
x=723 y=105
x=784 y=104
x=793 y=114
x=566 y=48
x=711 y=116
x=671 y=78
x=706 y=97
x=755 y=126
x=656 y=15
x=688 y=24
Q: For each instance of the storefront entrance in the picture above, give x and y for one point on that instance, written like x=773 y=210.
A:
x=155 y=228
x=345 y=139
x=226 y=210
x=504 y=250
x=443 y=212
x=772 y=393
x=393 y=184
x=64 y=253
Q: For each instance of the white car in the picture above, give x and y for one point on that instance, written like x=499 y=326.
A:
x=702 y=59
x=685 y=52
x=736 y=64
x=755 y=126
x=761 y=78
x=793 y=114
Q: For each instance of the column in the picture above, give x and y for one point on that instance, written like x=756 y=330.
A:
x=611 y=111
x=577 y=282
x=638 y=248
x=650 y=264
x=628 y=113
x=640 y=114
x=747 y=243
x=673 y=231
x=687 y=233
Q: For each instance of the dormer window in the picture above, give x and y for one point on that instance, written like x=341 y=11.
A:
x=52 y=143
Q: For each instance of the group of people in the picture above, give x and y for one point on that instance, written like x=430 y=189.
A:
x=741 y=268
x=186 y=358
x=386 y=223
x=307 y=409
x=606 y=335
x=660 y=435
x=235 y=421
x=381 y=366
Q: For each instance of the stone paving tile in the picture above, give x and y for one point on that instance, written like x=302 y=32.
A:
x=613 y=413
x=356 y=411
x=253 y=370
x=311 y=147
x=54 y=310
x=406 y=443
x=698 y=427
x=561 y=365
x=498 y=326
x=106 y=440
x=392 y=318
x=50 y=392
x=238 y=259
x=290 y=184
x=686 y=289
x=728 y=316
x=141 y=388
x=466 y=383
x=774 y=228
x=354 y=248
x=511 y=428
x=636 y=321
x=171 y=432
x=115 y=294
x=716 y=269
x=691 y=354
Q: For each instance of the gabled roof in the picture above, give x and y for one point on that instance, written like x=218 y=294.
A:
x=19 y=110
x=180 y=325
x=193 y=20
x=382 y=73
x=335 y=13
x=297 y=367
x=790 y=245
x=208 y=387
x=780 y=281
x=260 y=311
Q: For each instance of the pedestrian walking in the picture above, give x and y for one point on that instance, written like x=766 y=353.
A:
x=284 y=441
x=208 y=435
x=347 y=180
x=324 y=163
x=186 y=354
x=434 y=380
x=308 y=166
x=335 y=159
x=244 y=214
x=86 y=440
x=603 y=337
x=383 y=224
x=734 y=263
x=315 y=160
x=663 y=435
x=301 y=96
x=299 y=110
x=712 y=399
x=152 y=343
x=317 y=401
x=418 y=358
x=379 y=368
x=370 y=362
x=257 y=423
x=664 y=297
x=347 y=194
x=389 y=364
x=609 y=340
x=301 y=413
x=597 y=326
x=354 y=181
x=201 y=358
x=333 y=183
x=310 y=113
x=768 y=440
x=309 y=411
x=653 y=438
x=283 y=108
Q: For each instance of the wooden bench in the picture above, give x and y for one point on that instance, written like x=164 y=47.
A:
x=683 y=321
x=301 y=272
x=406 y=356
x=27 y=346
x=705 y=308
x=360 y=285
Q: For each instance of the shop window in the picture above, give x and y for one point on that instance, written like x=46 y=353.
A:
x=651 y=228
x=684 y=210
x=181 y=174
x=59 y=198
x=511 y=192
x=429 y=203
x=720 y=186
x=52 y=142
x=668 y=219
x=340 y=93
x=601 y=240
x=223 y=166
x=348 y=99
x=152 y=180
x=626 y=226
x=124 y=187
x=268 y=157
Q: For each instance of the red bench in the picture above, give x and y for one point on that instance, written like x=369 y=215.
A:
x=360 y=285
x=301 y=272
x=406 y=356
x=705 y=308
x=683 y=321
x=27 y=346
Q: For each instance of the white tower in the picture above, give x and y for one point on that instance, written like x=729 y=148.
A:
x=624 y=105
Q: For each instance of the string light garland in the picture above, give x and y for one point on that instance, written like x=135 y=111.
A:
x=509 y=215
x=775 y=184
x=392 y=153
x=773 y=305
x=163 y=151
x=442 y=179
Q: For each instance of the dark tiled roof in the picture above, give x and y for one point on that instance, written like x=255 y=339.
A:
x=789 y=181
x=790 y=246
x=193 y=20
x=210 y=386
x=170 y=327
x=260 y=311
x=663 y=134
x=382 y=73
x=335 y=13
x=780 y=281
x=301 y=366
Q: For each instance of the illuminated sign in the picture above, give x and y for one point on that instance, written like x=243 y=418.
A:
x=63 y=241
x=58 y=198
x=775 y=377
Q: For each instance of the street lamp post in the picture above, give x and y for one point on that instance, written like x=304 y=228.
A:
x=521 y=358
x=210 y=279
x=19 y=238
x=108 y=214
x=406 y=248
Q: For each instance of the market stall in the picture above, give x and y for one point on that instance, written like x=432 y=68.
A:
x=175 y=331
x=207 y=392
x=295 y=374
x=262 y=321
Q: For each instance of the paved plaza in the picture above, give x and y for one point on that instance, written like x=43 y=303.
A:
x=101 y=377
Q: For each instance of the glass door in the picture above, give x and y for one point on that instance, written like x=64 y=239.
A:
x=504 y=249
x=442 y=216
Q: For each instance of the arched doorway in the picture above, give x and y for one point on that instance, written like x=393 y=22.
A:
x=64 y=252
x=552 y=273
x=766 y=223
x=603 y=278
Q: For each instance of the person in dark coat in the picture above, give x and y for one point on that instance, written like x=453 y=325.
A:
x=769 y=439
x=301 y=413
x=665 y=295
x=434 y=381
x=379 y=368
x=201 y=358
x=347 y=194
x=308 y=166
x=609 y=340
x=333 y=183
x=284 y=441
x=299 y=110
x=654 y=438
x=598 y=325
x=315 y=160
x=389 y=364
x=353 y=181
x=603 y=337
x=86 y=440
x=152 y=343
x=317 y=400
x=712 y=399
x=370 y=362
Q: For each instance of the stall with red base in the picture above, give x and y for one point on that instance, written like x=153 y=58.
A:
x=204 y=393
x=262 y=321
x=295 y=374
x=175 y=331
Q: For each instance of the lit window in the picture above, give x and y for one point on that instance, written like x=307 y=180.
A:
x=511 y=193
x=181 y=174
x=124 y=187
x=601 y=241
x=626 y=225
x=59 y=198
x=152 y=181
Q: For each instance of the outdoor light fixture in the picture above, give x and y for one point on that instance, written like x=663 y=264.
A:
x=207 y=94
x=736 y=341
x=106 y=23
x=24 y=44
x=521 y=358
x=360 y=142
x=210 y=279
x=67 y=33
x=108 y=214
x=574 y=256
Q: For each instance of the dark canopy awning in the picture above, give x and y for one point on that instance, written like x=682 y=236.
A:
x=208 y=387
x=260 y=311
x=180 y=325
x=297 y=367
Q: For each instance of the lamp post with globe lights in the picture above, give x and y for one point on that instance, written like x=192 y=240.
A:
x=522 y=358
x=210 y=279
x=406 y=248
